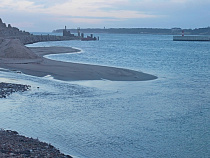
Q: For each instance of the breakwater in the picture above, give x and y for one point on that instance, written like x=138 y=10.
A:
x=191 y=38
x=29 y=39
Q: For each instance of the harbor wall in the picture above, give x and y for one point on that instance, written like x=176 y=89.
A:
x=29 y=39
x=191 y=38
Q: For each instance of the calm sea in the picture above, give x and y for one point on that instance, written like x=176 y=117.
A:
x=166 y=117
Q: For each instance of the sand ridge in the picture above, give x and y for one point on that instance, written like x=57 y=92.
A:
x=13 y=48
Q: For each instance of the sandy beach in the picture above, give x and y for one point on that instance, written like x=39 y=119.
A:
x=41 y=66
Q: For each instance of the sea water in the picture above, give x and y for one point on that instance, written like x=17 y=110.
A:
x=166 y=117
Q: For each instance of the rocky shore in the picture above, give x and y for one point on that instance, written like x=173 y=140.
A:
x=9 y=88
x=13 y=145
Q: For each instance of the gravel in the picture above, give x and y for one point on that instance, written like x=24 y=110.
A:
x=9 y=88
x=13 y=145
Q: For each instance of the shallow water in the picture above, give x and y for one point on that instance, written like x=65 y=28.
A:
x=167 y=117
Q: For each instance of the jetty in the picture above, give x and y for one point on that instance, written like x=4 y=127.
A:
x=79 y=36
x=191 y=38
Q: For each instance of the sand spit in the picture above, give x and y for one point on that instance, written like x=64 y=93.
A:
x=40 y=66
x=13 y=145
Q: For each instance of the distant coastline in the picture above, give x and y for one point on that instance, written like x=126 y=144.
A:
x=158 y=31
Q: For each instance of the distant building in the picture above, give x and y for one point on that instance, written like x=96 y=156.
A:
x=67 y=33
x=78 y=31
x=79 y=36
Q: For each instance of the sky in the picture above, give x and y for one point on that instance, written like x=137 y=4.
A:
x=48 y=15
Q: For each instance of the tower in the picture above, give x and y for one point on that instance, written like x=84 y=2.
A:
x=78 y=31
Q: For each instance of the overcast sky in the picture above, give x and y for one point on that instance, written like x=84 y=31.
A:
x=47 y=15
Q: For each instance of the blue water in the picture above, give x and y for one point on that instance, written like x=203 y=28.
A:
x=167 y=117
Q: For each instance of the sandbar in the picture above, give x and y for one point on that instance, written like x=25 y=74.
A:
x=69 y=71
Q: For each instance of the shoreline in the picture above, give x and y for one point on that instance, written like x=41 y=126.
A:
x=69 y=71
x=31 y=61
x=14 y=145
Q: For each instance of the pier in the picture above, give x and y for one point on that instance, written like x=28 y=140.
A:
x=191 y=38
x=80 y=35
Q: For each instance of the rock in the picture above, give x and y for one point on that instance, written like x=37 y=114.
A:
x=8 y=88
x=12 y=146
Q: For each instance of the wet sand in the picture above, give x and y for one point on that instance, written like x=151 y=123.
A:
x=69 y=71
